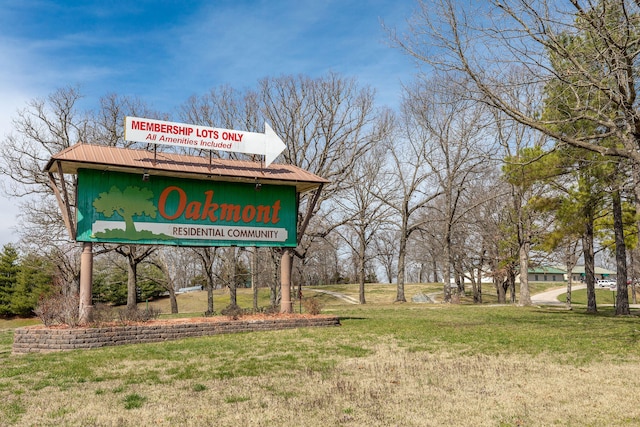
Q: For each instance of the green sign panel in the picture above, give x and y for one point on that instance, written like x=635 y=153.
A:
x=117 y=207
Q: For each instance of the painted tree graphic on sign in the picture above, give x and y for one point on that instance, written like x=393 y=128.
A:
x=133 y=201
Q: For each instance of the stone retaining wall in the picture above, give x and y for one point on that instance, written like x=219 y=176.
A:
x=33 y=339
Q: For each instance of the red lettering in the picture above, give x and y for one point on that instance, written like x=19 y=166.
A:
x=209 y=208
x=230 y=212
x=193 y=210
x=232 y=136
x=161 y=128
x=162 y=202
x=204 y=133
x=196 y=210
x=276 y=210
x=264 y=214
x=248 y=213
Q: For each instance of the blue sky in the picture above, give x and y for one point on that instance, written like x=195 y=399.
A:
x=164 y=51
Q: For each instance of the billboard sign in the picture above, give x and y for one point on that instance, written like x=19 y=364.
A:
x=116 y=207
x=153 y=131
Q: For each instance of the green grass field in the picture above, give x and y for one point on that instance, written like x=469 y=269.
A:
x=388 y=364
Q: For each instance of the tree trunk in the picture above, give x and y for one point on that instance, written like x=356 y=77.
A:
x=570 y=264
x=401 y=261
x=132 y=295
x=446 y=270
x=209 y=256
x=632 y=273
x=209 y=311
x=210 y=283
x=233 y=294
x=422 y=273
x=173 y=300
x=231 y=279
x=525 y=296
x=622 y=299
x=474 y=286
x=459 y=278
x=511 y=283
x=361 y=270
x=589 y=261
x=502 y=298
x=477 y=290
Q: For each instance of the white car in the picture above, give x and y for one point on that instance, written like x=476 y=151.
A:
x=605 y=283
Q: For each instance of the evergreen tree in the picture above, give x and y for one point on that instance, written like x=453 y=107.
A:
x=149 y=284
x=110 y=286
x=9 y=268
x=578 y=105
x=34 y=279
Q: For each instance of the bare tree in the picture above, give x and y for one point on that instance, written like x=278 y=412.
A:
x=589 y=47
x=105 y=126
x=386 y=250
x=176 y=266
x=458 y=152
x=224 y=107
x=484 y=41
x=362 y=213
x=414 y=189
x=327 y=124
x=426 y=251
x=134 y=255
x=42 y=129
x=207 y=258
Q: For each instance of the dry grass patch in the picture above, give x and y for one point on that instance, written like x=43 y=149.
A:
x=389 y=387
x=388 y=365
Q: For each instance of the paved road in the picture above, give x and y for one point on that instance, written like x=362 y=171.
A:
x=551 y=297
x=343 y=297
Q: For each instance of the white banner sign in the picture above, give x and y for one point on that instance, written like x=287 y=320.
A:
x=267 y=144
x=201 y=232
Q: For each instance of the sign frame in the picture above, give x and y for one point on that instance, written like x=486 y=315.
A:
x=121 y=208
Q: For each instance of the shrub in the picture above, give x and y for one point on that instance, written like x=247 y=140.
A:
x=271 y=310
x=312 y=306
x=128 y=315
x=102 y=313
x=233 y=311
x=59 y=309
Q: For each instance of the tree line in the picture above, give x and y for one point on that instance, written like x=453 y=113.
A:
x=517 y=145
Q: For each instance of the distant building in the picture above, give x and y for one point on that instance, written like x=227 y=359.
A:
x=546 y=274
x=577 y=274
x=554 y=274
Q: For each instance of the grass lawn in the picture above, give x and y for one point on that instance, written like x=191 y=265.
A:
x=388 y=364
x=603 y=297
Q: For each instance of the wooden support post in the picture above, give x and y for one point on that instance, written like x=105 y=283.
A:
x=86 y=282
x=285 y=281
